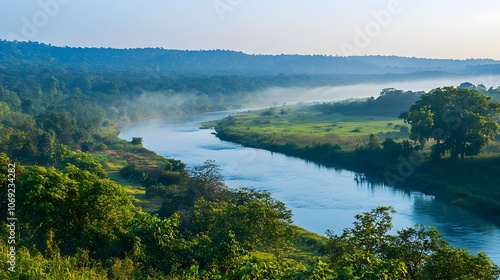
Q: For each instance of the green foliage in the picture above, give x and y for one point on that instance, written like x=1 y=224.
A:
x=77 y=224
x=374 y=143
x=459 y=120
x=33 y=265
x=367 y=238
x=254 y=217
x=391 y=102
x=206 y=181
x=154 y=241
x=91 y=209
x=136 y=141
x=155 y=176
x=492 y=91
x=306 y=244
x=63 y=125
x=259 y=269
x=61 y=157
x=453 y=263
x=368 y=251
x=202 y=182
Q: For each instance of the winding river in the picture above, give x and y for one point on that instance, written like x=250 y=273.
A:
x=320 y=198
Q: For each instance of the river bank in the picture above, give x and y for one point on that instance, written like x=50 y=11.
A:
x=469 y=183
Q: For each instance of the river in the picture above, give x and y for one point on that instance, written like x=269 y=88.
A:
x=321 y=198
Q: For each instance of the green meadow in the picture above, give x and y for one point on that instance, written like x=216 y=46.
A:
x=304 y=126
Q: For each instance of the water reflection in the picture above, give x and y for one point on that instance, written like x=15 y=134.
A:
x=459 y=226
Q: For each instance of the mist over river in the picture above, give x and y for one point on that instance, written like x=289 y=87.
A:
x=321 y=198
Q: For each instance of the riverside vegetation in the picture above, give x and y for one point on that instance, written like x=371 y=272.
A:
x=370 y=136
x=92 y=206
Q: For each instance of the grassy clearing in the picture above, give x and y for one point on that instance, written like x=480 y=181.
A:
x=306 y=246
x=122 y=153
x=305 y=127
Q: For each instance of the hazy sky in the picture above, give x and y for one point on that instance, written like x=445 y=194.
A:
x=421 y=28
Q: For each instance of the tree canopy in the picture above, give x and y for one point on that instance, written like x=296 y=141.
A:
x=460 y=121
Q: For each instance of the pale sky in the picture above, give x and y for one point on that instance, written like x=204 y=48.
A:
x=421 y=28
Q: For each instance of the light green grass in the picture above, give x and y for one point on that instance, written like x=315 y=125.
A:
x=306 y=127
x=110 y=162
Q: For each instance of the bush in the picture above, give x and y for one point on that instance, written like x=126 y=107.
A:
x=101 y=147
x=136 y=141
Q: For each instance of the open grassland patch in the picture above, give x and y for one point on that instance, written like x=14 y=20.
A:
x=308 y=127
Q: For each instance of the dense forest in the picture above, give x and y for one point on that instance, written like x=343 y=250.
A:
x=224 y=62
x=64 y=217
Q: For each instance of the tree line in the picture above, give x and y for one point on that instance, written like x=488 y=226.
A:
x=225 y=62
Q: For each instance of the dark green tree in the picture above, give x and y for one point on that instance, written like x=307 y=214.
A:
x=136 y=141
x=206 y=181
x=374 y=142
x=61 y=123
x=460 y=121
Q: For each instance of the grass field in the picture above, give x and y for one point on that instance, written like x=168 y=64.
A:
x=119 y=154
x=303 y=127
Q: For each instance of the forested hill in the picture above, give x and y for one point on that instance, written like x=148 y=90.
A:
x=223 y=62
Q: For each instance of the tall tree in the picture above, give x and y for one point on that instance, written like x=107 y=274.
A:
x=460 y=121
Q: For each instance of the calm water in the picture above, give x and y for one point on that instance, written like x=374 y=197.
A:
x=320 y=198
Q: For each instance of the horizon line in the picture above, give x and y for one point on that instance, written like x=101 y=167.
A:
x=249 y=53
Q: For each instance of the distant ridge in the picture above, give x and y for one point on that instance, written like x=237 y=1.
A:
x=225 y=62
